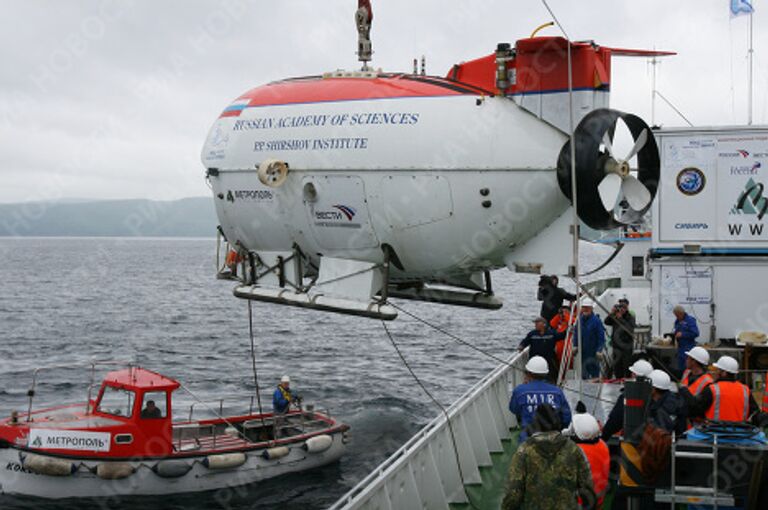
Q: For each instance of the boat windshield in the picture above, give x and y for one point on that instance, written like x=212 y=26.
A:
x=117 y=401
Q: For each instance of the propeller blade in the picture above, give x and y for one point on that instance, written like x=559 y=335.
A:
x=609 y=189
x=608 y=144
x=635 y=192
x=639 y=144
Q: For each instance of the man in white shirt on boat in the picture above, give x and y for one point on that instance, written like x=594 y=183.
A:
x=536 y=391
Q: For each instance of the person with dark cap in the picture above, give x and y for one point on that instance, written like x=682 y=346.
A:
x=551 y=296
x=549 y=470
x=541 y=341
x=622 y=339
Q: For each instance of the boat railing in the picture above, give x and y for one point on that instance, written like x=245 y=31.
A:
x=91 y=364
x=426 y=468
x=300 y=422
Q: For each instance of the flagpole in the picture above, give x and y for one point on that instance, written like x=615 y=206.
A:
x=751 y=51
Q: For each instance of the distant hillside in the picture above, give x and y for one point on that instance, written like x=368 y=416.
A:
x=188 y=217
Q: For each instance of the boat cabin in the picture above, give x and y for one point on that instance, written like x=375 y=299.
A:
x=142 y=401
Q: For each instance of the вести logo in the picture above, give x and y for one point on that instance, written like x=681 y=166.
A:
x=348 y=211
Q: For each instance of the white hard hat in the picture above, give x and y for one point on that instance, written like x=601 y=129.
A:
x=537 y=365
x=728 y=364
x=285 y=379
x=700 y=354
x=585 y=426
x=587 y=302
x=660 y=380
x=641 y=368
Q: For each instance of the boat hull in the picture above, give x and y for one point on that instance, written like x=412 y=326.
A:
x=17 y=480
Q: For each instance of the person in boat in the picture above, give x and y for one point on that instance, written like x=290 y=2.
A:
x=615 y=422
x=549 y=470
x=541 y=341
x=685 y=333
x=151 y=410
x=282 y=398
x=527 y=397
x=666 y=409
x=726 y=399
x=592 y=340
x=585 y=432
x=622 y=339
x=551 y=296
x=560 y=323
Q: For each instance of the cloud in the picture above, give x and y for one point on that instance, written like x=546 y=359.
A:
x=113 y=99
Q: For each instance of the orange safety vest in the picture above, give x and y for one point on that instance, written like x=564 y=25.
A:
x=599 y=459
x=730 y=401
x=696 y=386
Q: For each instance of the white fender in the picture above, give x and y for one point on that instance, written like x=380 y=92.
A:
x=224 y=460
x=275 y=453
x=171 y=468
x=50 y=466
x=114 y=470
x=318 y=444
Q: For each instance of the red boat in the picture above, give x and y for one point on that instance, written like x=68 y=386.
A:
x=126 y=442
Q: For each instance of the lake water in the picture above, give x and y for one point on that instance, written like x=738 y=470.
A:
x=156 y=302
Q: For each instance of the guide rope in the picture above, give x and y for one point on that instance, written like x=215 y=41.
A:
x=480 y=350
x=253 y=360
x=438 y=404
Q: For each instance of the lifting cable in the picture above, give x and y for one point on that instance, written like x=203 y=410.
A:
x=253 y=361
x=476 y=348
x=438 y=404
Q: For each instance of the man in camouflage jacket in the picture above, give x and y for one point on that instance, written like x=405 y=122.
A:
x=548 y=471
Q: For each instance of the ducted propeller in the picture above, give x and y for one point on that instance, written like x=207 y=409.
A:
x=608 y=194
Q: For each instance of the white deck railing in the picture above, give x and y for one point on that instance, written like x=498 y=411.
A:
x=423 y=473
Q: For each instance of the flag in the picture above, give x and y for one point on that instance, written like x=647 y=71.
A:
x=739 y=7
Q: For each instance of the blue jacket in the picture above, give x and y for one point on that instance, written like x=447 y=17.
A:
x=542 y=344
x=689 y=329
x=279 y=402
x=527 y=397
x=593 y=332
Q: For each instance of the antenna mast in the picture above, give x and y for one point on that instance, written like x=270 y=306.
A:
x=363 y=20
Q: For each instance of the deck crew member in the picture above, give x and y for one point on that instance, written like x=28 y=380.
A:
x=283 y=398
x=622 y=338
x=551 y=296
x=547 y=471
x=592 y=341
x=695 y=377
x=585 y=431
x=541 y=341
x=534 y=392
x=666 y=409
x=560 y=323
x=615 y=422
x=724 y=400
x=685 y=334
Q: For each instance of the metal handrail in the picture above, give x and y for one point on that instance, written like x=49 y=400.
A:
x=433 y=427
x=92 y=364
x=221 y=401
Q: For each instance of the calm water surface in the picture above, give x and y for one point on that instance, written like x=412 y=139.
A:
x=156 y=302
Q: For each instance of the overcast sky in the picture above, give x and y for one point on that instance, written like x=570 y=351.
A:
x=113 y=99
